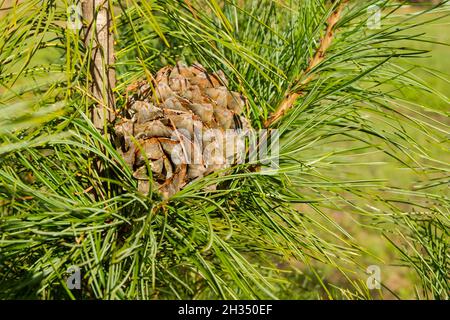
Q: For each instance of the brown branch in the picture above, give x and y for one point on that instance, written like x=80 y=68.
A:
x=191 y=9
x=325 y=43
x=99 y=36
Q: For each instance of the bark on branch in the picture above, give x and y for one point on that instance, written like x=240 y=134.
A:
x=319 y=56
x=98 y=35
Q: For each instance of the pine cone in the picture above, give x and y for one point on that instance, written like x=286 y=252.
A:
x=179 y=126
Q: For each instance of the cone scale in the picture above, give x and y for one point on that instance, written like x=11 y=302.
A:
x=180 y=126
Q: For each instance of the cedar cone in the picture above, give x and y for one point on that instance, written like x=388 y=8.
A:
x=183 y=125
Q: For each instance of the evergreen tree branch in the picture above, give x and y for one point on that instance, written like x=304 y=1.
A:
x=295 y=91
x=100 y=39
x=339 y=147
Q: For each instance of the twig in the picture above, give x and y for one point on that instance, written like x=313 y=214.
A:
x=191 y=9
x=4 y=202
x=99 y=36
x=325 y=43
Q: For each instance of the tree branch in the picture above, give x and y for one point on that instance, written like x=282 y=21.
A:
x=99 y=36
x=325 y=43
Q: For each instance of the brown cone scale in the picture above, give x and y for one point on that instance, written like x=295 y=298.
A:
x=165 y=126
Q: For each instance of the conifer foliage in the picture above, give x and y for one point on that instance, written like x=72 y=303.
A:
x=103 y=194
